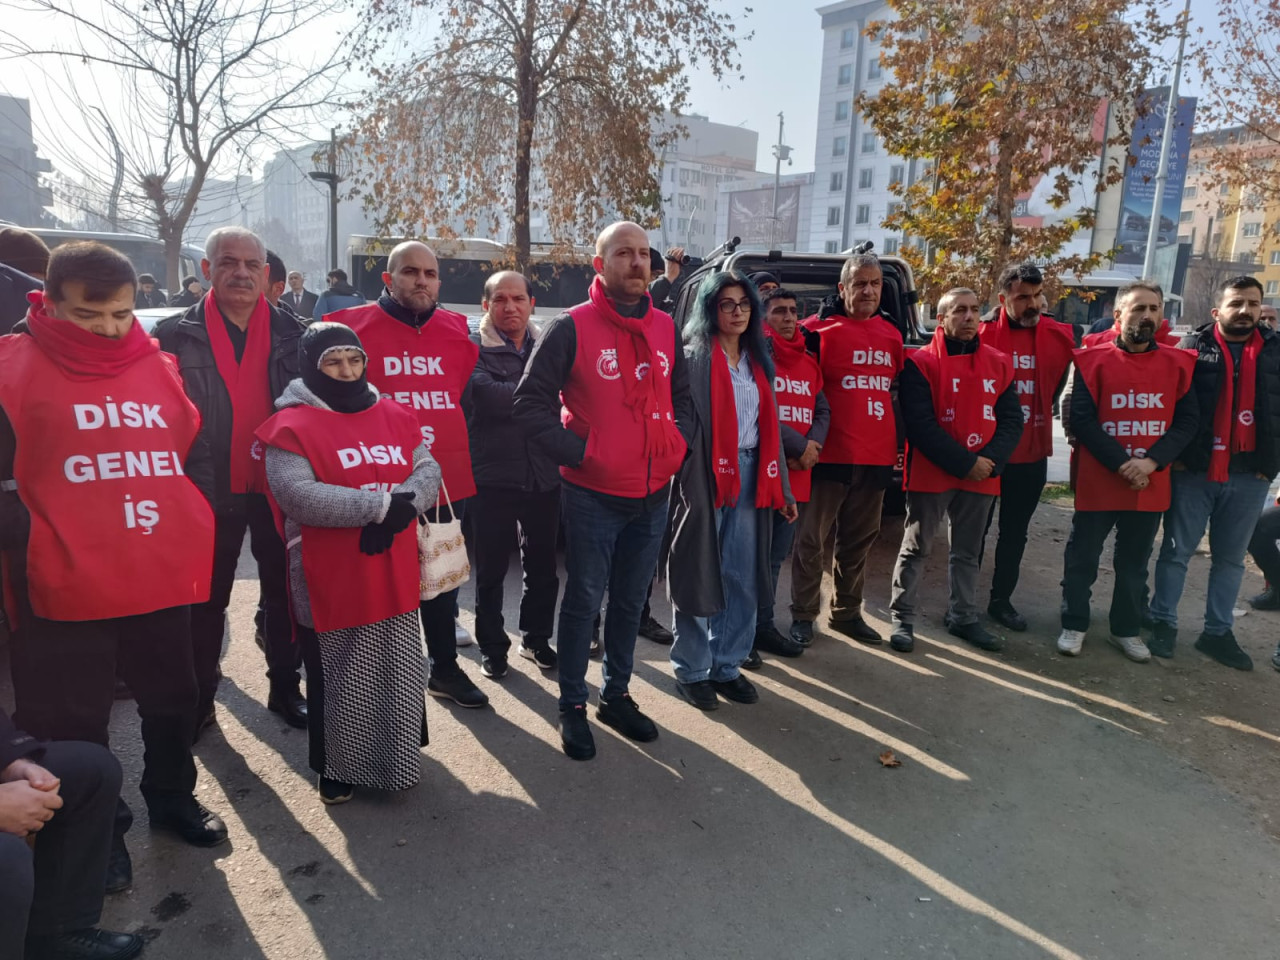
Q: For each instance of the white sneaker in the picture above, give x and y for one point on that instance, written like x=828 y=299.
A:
x=1131 y=647
x=460 y=634
x=1071 y=642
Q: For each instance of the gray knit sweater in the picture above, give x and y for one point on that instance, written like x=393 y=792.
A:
x=306 y=501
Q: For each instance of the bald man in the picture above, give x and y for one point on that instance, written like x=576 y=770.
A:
x=615 y=365
x=421 y=355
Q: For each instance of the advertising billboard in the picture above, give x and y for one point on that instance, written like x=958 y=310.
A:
x=1140 y=176
x=751 y=216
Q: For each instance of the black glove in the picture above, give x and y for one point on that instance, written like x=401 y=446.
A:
x=401 y=513
x=375 y=538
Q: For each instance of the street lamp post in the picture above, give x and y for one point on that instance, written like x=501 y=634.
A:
x=335 y=170
x=1166 y=149
x=780 y=152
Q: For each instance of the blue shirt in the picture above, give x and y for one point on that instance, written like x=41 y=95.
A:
x=746 y=397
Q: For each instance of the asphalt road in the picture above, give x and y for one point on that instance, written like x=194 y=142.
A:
x=1032 y=816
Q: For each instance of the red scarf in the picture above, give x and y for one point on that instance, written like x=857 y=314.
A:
x=641 y=393
x=724 y=436
x=248 y=386
x=82 y=355
x=1001 y=338
x=793 y=348
x=1235 y=428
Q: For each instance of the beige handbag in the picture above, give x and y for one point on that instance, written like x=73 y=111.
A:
x=442 y=553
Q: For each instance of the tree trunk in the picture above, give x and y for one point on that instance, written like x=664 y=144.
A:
x=1004 y=212
x=526 y=113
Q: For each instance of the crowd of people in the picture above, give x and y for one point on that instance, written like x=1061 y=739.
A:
x=341 y=435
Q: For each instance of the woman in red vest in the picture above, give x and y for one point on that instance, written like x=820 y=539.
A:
x=724 y=496
x=350 y=474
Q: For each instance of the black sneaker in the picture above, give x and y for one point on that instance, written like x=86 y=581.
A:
x=1003 y=613
x=1164 y=637
x=333 y=792
x=753 y=661
x=575 y=733
x=739 y=689
x=651 y=629
x=857 y=629
x=976 y=634
x=903 y=638
x=540 y=653
x=493 y=666
x=119 y=867
x=802 y=632
x=189 y=820
x=1223 y=648
x=87 y=943
x=623 y=715
x=456 y=686
x=700 y=693
x=771 y=640
x=1268 y=599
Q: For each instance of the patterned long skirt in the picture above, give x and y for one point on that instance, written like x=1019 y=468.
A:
x=366 y=716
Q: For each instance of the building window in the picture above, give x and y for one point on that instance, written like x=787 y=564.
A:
x=1275 y=258
x=1224 y=189
x=1188 y=193
x=897 y=174
x=1252 y=229
x=831 y=246
x=863 y=213
x=833 y=216
x=1186 y=216
x=890 y=245
x=839 y=145
x=864 y=178
x=869 y=142
x=1244 y=258
x=837 y=181
x=895 y=207
x=1184 y=238
x=845 y=76
x=842 y=110
x=873 y=67
x=846 y=38
x=1273 y=287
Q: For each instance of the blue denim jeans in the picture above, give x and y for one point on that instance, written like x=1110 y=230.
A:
x=713 y=648
x=1230 y=511
x=784 y=534
x=605 y=547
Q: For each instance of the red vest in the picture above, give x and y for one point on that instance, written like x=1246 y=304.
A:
x=860 y=360
x=1040 y=358
x=117 y=529
x=593 y=408
x=965 y=390
x=1164 y=336
x=427 y=370
x=369 y=450
x=1135 y=394
x=796 y=383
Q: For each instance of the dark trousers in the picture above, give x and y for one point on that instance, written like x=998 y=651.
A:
x=64 y=684
x=209 y=620
x=1262 y=547
x=608 y=547
x=57 y=887
x=438 y=613
x=784 y=535
x=500 y=520
x=1020 y=487
x=1135 y=535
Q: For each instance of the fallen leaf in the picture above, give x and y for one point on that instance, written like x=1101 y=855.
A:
x=887 y=759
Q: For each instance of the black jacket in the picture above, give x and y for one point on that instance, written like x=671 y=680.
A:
x=14 y=287
x=927 y=436
x=1106 y=449
x=1206 y=383
x=14 y=744
x=187 y=338
x=501 y=454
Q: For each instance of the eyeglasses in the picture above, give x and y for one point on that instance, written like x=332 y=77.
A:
x=734 y=306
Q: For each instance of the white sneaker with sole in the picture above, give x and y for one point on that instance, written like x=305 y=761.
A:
x=1071 y=642
x=1131 y=647
x=460 y=634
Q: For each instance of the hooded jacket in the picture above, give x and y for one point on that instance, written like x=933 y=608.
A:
x=338 y=297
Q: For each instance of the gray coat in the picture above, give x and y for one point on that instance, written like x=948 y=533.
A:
x=693 y=560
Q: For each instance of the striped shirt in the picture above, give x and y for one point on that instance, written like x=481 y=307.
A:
x=746 y=397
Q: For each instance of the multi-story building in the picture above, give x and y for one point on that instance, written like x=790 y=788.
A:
x=23 y=197
x=746 y=209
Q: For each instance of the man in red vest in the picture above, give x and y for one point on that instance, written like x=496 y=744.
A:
x=963 y=420
x=107 y=539
x=237 y=353
x=1040 y=349
x=860 y=354
x=803 y=418
x=616 y=366
x=1132 y=412
x=421 y=355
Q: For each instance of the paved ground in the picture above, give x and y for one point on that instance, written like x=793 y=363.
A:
x=1044 y=807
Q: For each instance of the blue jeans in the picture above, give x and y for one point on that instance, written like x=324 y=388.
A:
x=713 y=648
x=1230 y=511
x=784 y=534
x=605 y=546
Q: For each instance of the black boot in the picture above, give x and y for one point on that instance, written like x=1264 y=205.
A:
x=1268 y=599
x=119 y=866
x=289 y=703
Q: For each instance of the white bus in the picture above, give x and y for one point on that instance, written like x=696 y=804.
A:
x=1086 y=300
x=145 y=253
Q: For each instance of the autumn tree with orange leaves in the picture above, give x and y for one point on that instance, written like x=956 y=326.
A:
x=477 y=102
x=998 y=94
